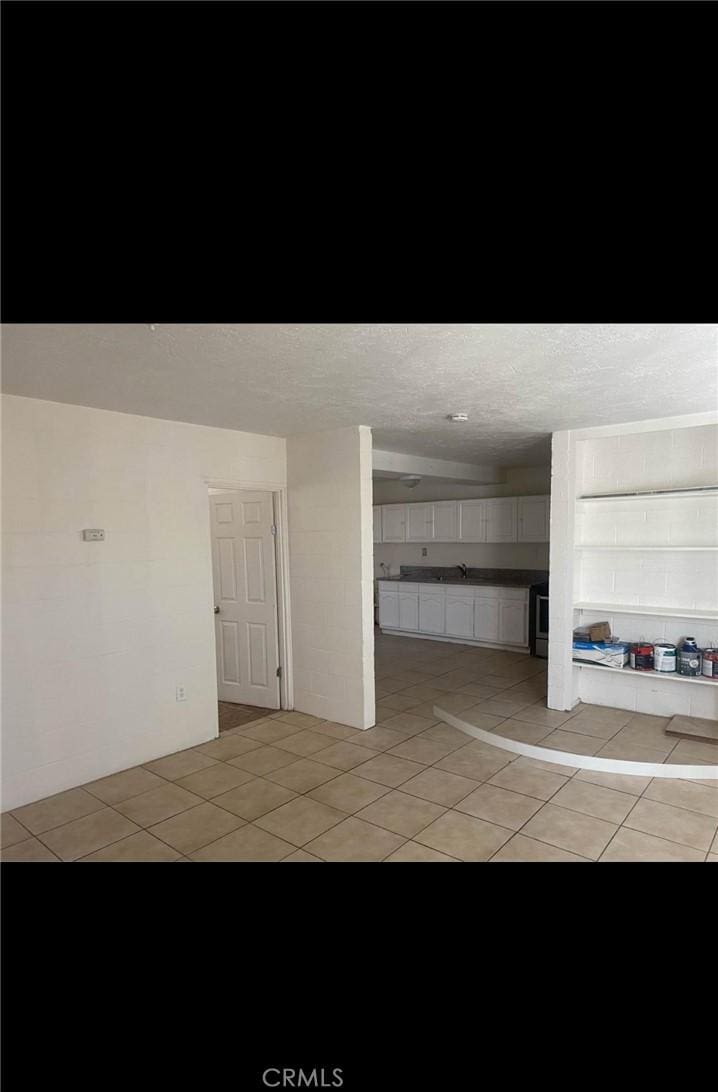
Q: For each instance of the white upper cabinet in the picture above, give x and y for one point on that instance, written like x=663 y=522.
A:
x=393 y=523
x=501 y=519
x=472 y=521
x=419 y=522
x=533 y=519
x=376 y=511
x=446 y=521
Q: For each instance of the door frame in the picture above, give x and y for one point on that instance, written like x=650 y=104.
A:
x=281 y=553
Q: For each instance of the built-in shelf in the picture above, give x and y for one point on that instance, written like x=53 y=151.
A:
x=645 y=549
x=669 y=676
x=692 y=491
x=660 y=612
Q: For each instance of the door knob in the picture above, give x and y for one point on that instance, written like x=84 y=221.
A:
x=216 y=610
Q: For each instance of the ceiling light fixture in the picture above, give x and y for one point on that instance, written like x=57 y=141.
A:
x=410 y=480
x=458 y=417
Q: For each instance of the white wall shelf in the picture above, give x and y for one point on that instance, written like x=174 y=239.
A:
x=669 y=676
x=653 y=494
x=659 y=612
x=644 y=549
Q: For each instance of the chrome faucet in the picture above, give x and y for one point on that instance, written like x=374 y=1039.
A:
x=463 y=570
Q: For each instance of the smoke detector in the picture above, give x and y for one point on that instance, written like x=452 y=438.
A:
x=410 y=480
x=458 y=417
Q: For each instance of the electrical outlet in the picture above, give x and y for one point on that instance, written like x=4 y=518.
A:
x=181 y=694
x=424 y=551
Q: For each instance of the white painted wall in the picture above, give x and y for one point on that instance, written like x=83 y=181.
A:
x=520 y=482
x=98 y=635
x=662 y=454
x=330 y=540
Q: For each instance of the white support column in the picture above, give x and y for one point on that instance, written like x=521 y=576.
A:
x=561 y=690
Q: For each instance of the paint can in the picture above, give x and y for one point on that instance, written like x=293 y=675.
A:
x=710 y=663
x=641 y=656
x=689 y=657
x=664 y=656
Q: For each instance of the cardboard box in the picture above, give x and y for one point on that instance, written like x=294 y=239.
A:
x=601 y=652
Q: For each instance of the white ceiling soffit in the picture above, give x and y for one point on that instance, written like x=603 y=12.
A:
x=391 y=464
x=518 y=383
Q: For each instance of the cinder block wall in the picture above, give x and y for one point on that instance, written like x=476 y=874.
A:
x=330 y=541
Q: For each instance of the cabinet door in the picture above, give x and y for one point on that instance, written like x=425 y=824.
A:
x=409 y=612
x=419 y=522
x=472 y=521
x=513 y=622
x=460 y=617
x=501 y=519
x=486 y=619
x=393 y=521
x=533 y=519
x=431 y=614
x=376 y=512
x=388 y=610
x=446 y=521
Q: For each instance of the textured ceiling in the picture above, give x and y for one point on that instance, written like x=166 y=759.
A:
x=518 y=383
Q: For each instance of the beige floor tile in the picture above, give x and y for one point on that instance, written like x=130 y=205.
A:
x=646 y=720
x=472 y=762
x=12 y=832
x=594 y=800
x=336 y=731
x=269 y=731
x=121 y=786
x=712 y=857
x=304 y=743
x=674 y=824
x=300 y=820
x=348 y=793
x=523 y=763
x=138 y=847
x=409 y=723
x=479 y=690
x=413 y=851
x=596 y=729
x=499 y=682
x=401 y=813
x=254 y=798
x=632 y=845
x=303 y=775
x=83 y=836
x=344 y=755
x=690 y=751
x=457 y=703
x=646 y=737
x=388 y=770
x=303 y=720
x=196 y=827
x=263 y=761
x=410 y=678
x=302 y=855
x=714 y=846
x=521 y=848
x=180 y=764
x=572 y=742
x=464 y=837
x=152 y=807
x=529 y=781
x=684 y=794
x=225 y=748
x=571 y=830
x=379 y=738
x=445 y=733
x=421 y=749
x=503 y=706
x=215 y=780
x=623 y=782
x=605 y=714
x=29 y=851
x=452 y=680
x=500 y=806
x=439 y=786
x=539 y=714
x=425 y=711
x=478 y=719
x=249 y=843
x=56 y=810
x=355 y=840
x=407 y=699
x=522 y=731
x=391 y=683
x=629 y=751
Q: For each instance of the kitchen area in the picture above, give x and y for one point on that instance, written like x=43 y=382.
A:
x=495 y=596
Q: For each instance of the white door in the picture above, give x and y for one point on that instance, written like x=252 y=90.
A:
x=472 y=521
x=376 y=510
x=388 y=610
x=486 y=619
x=446 y=521
x=393 y=518
x=533 y=519
x=501 y=519
x=513 y=622
x=460 y=617
x=419 y=522
x=409 y=611
x=245 y=590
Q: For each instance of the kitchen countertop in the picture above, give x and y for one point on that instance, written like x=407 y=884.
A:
x=496 y=578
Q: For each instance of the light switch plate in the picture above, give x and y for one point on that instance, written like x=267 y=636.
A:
x=93 y=534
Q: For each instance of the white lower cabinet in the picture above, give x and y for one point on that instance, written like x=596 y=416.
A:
x=409 y=611
x=388 y=610
x=497 y=616
x=513 y=622
x=431 y=611
x=486 y=619
x=460 y=616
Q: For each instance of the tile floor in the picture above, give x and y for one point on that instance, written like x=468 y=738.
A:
x=290 y=787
